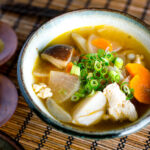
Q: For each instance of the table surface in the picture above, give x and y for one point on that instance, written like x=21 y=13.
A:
x=25 y=127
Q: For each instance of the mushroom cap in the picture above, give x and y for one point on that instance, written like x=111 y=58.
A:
x=60 y=51
x=59 y=55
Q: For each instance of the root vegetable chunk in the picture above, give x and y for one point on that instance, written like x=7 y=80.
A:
x=80 y=42
x=141 y=89
x=118 y=107
x=90 y=110
x=63 y=85
x=57 y=111
x=140 y=82
x=58 y=55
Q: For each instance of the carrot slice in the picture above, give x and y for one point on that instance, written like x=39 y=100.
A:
x=102 y=44
x=69 y=66
x=140 y=82
x=137 y=69
x=141 y=89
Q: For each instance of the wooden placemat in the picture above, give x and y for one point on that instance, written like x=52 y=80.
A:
x=25 y=127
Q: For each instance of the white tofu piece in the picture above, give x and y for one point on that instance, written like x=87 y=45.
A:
x=90 y=110
x=63 y=85
x=118 y=107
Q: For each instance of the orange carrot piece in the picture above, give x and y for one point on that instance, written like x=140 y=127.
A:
x=69 y=66
x=137 y=69
x=140 y=82
x=102 y=44
x=141 y=89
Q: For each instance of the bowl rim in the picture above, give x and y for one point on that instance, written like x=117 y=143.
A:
x=66 y=129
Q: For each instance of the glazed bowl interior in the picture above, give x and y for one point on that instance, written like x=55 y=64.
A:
x=56 y=27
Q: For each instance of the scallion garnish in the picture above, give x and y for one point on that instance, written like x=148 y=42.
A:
x=101 y=52
x=92 y=93
x=118 y=62
x=75 y=70
x=105 y=61
x=90 y=75
x=94 y=84
x=88 y=88
x=114 y=76
x=95 y=73
x=97 y=65
x=75 y=98
x=128 y=91
x=110 y=56
x=104 y=71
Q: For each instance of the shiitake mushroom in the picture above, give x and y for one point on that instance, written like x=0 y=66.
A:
x=8 y=42
x=59 y=55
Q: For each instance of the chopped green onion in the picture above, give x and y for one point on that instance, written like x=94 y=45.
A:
x=92 y=93
x=130 y=96
x=94 y=83
x=90 y=75
x=75 y=70
x=125 y=88
x=97 y=65
x=91 y=56
x=115 y=77
x=75 y=63
x=75 y=97
x=101 y=52
x=118 y=62
x=96 y=74
x=81 y=65
x=88 y=65
x=80 y=94
x=83 y=73
x=103 y=71
x=110 y=56
x=105 y=61
x=88 y=88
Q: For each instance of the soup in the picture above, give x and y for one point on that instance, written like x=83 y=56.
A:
x=94 y=78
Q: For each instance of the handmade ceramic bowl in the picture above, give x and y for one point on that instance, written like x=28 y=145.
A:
x=64 y=23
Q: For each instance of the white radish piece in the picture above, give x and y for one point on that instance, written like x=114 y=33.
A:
x=57 y=111
x=80 y=42
x=63 y=85
x=90 y=110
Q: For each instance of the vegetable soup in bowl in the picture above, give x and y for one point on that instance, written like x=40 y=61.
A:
x=86 y=73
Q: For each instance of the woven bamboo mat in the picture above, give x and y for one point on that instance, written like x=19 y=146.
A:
x=25 y=127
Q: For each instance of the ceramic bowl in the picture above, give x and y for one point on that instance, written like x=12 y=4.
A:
x=64 y=23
